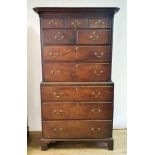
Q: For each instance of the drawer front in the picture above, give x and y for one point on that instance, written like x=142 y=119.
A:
x=53 y=23
x=77 y=110
x=100 y=23
x=76 y=23
x=77 y=93
x=56 y=36
x=77 y=129
x=77 y=53
x=76 y=72
x=94 y=37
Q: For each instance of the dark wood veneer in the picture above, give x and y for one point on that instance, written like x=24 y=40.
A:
x=76 y=93
x=100 y=23
x=76 y=23
x=77 y=110
x=76 y=72
x=70 y=129
x=94 y=37
x=53 y=23
x=77 y=53
x=57 y=36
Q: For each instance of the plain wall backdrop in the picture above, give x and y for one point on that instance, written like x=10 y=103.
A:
x=118 y=64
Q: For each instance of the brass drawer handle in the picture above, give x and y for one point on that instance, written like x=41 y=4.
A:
x=96 y=94
x=58 y=129
x=98 y=72
x=99 y=21
x=98 y=55
x=96 y=110
x=58 y=112
x=93 y=36
x=55 y=73
x=59 y=36
x=54 y=54
x=57 y=95
x=95 y=130
x=76 y=23
x=52 y=22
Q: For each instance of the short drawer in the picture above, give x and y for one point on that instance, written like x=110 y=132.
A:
x=94 y=37
x=56 y=36
x=100 y=23
x=76 y=72
x=77 y=110
x=51 y=92
x=77 y=129
x=53 y=23
x=77 y=53
x=76 y=23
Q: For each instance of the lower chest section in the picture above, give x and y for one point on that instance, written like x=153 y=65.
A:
x=75 y=111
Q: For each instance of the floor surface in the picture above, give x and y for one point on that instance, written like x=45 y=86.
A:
x=80 y=148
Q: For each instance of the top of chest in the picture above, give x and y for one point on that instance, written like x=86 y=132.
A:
x=46 y=12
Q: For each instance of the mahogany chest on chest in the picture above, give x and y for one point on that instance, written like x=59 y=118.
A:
x=77 y=93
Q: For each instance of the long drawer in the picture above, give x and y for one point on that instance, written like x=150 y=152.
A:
x=102 y=93
x=76 y=72
x=77 y=53
x=77 y=110
x=77 y=129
